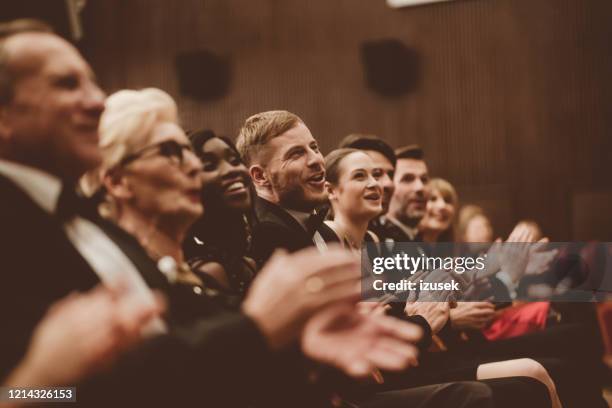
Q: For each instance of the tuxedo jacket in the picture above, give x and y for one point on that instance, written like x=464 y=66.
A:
x=273 y=228
x=200 y=362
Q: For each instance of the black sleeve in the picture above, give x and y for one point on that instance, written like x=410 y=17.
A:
x=397 y=311
x=207 y=361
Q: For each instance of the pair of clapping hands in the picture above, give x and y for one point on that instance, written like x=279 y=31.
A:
x=307 y=297
x=518 y=256
x=312 y=297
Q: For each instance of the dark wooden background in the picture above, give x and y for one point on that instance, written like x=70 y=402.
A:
x=513 y=106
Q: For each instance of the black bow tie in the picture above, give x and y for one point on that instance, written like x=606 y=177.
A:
x=70 y=204
x=315 y=219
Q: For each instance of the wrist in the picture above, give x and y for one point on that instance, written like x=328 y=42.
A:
x=27 y=375
x=274 y=333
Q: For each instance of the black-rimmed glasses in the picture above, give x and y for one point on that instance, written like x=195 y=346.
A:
x=171 y=149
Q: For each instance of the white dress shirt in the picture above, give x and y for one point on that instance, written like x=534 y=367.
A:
x=107 y=260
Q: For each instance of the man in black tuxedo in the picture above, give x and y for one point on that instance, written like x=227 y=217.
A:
x=409 y=202
x=51 y=246
x=49 y=113
x=288 y=172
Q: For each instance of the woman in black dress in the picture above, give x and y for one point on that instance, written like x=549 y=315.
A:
x=221 y=236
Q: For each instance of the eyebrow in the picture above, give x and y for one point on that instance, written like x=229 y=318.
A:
x=356 y=170
x=291 y=150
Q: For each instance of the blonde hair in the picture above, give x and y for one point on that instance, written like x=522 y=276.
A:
x=446 y=189
x=125 y=127
x=449 y=194
x=466 y=215
x=259 y=129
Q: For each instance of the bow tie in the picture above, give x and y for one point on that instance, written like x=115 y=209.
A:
x=315 y=219
x=70 y=204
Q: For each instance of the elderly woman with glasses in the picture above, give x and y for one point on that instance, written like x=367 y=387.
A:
x=150 y=179
x=150 y=182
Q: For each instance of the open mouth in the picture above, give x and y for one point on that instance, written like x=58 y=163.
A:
x=419 y=202
x=194 y=195
x=441 y=217
x=235 y=187
x=317 y=179
x=373 y=197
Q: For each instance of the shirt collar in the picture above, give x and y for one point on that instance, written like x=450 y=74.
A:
x=42 y=187
x=409 y=231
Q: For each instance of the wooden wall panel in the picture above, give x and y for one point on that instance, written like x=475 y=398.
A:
x=513 y=105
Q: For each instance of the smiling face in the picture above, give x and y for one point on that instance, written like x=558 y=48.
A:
x=294 y=170
x=358 y=193
x=440 y=212
x=225 y=178
x=386 y=180
x=478 y=229
x=51 y=122
x=157 y=185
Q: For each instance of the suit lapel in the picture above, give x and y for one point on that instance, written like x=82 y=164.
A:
x=266 y=211
x=38 y=238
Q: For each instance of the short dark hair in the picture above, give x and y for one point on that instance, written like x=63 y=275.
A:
x=410 y=152
x=8 y=29
x=369 y=142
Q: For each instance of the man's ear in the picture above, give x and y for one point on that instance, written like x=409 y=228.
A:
x=117 y=185
x=258 y=175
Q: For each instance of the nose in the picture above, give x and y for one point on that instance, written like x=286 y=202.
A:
x=93 y=102
x=374 y=183
x=387 y=184
x=315 y=159
x=418 y=184
x=191 y=163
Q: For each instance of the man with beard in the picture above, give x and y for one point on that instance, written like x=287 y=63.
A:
x=288 y=173
x=409 y=202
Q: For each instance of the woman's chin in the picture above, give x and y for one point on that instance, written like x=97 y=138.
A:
x=369 y=213
x=240 y=203
x=436 y=228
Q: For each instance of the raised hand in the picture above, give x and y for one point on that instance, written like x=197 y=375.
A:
x=359 y=343
x=472 y=315
x=82 y=334
x=540 y=258
x=292 y=288
x=436 y=313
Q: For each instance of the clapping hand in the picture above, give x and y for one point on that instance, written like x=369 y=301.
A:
x=291 y=288
x=472 y=315
x=82 y=334
x=359 y=343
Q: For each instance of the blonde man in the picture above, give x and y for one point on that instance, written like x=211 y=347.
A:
x=288 y=173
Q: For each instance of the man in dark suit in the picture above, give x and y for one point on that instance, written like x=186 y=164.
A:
x=288 y=172
x=49 y=112
x=409 y=201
